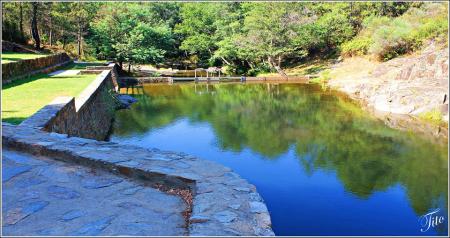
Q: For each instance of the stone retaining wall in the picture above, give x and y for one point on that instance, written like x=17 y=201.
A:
x=90 y=115
x=25 y=68
x=11 y=46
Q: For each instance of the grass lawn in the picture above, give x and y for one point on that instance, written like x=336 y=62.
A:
x=8 y=57
x=22 y=98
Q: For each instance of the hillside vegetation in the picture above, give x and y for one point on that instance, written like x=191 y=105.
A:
x=386 y=38
x=241 y=37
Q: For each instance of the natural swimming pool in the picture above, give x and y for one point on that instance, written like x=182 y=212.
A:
x=322 y=164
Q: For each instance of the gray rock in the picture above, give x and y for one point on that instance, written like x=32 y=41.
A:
x=62 y=192
x=10 y=172
x=131 y=191
x=17 y=214
x=258 y=207
x=161 y=158
x=125 y=100
x=21 y=158
x=48 y=231
x=28 y=182
x=242 y=189
x=234 y=206
x=96 y=182
x=129 y=205
x=198 y=219
x=72 y=215
x=29 y=195
x=135 y=229
x=94 y=228
x=225 y=216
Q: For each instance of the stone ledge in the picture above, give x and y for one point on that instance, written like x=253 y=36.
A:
x=89 y=115
x=91 y=89
x=41 y=118
x=223 y=203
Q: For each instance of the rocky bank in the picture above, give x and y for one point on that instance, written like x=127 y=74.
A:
x=412 y=85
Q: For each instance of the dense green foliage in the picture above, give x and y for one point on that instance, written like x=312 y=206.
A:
x=241 y=37
x=128 y=32
x=386 y=38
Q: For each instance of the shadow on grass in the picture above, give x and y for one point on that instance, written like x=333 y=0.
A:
x=11 y=59
x=14 y=120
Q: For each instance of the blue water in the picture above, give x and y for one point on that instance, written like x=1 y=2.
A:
x=304 y=197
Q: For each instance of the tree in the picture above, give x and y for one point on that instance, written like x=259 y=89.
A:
x=129 y=34
x=81 y=14
x=270 y=30
x=198 y=28
x=34 y=27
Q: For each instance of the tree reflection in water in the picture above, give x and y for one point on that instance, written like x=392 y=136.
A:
x=328 y=131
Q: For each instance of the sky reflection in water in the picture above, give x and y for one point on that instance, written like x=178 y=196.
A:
x=322 y=165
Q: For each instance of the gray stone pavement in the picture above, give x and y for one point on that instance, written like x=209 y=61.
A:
x=221 y=202
x=42 y=196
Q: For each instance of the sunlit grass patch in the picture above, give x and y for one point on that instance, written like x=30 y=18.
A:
x=8 y=57
x=22 y=98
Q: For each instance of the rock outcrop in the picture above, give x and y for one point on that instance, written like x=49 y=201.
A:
x=410 y=85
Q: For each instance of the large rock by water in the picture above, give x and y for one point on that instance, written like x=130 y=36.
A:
x=408 y=85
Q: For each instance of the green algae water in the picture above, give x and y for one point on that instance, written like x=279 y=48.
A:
x=322 y=164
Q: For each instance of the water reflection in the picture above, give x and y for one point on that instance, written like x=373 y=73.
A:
x=327 y=132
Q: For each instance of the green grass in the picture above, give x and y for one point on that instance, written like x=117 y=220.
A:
x=8 y=57
x=22 y=98
x=434 y=116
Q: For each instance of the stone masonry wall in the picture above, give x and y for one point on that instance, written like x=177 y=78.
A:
x=90 y=115
x=23 y=68
x=11 y=46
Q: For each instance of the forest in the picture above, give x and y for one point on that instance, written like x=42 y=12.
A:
x=240 y=37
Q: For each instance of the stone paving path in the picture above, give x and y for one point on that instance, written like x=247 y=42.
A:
x=219 y=201
x=42 y=196
x=69 y=72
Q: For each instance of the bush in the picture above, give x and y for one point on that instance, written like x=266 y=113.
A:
x=357 y=46
x=391 y=40
x=434 y=116
x=386 y=38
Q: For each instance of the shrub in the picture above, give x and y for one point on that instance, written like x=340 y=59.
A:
x=386 y=38
x=391 y=40
x=434 y=116
x=357 y=46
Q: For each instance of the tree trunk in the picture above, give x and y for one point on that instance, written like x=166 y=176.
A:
x=63 y=38
x=277 y=67
x=51 y=32
x=21 y=19
x=121 y=64
x=129 y=67
x=34 y=28
x=224 y=60
x=79 y=40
